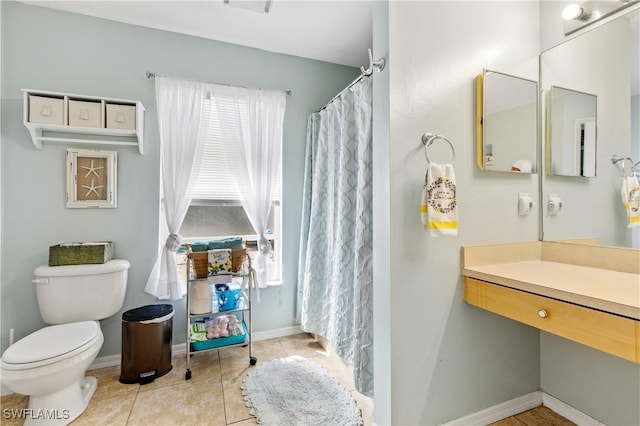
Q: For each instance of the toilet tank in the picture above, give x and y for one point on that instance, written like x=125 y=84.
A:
x=81 y=292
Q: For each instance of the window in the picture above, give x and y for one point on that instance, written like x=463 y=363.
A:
x=216 y=211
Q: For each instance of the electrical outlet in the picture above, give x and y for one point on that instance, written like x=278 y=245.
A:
x=525 y=204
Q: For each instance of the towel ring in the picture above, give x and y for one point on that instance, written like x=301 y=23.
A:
x=429 y=138
x=616 y=159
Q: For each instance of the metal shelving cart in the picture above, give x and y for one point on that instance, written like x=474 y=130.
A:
x=242 y=312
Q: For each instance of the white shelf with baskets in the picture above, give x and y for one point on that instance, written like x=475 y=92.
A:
x=90 y=120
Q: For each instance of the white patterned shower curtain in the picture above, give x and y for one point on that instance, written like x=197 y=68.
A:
x=335 y=283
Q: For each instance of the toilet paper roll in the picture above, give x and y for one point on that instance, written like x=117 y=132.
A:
x=201 y=290
x=200 y=306
x=200 y=297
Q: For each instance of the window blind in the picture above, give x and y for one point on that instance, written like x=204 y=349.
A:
x=214 y=180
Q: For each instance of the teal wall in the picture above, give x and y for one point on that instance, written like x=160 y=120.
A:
x=604 y=387
x=449 y=359
x=51 y=50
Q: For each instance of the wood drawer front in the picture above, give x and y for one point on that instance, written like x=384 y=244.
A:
x=609 y=333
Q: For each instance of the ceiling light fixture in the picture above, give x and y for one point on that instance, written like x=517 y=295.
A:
x=262 y=6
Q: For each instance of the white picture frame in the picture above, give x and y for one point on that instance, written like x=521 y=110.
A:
x=91 y=178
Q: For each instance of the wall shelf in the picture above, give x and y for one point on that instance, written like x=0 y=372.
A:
x=52 y=117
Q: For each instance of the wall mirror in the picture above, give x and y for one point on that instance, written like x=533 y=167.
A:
x=602 y=61
x=506 y=123
x=571 y=132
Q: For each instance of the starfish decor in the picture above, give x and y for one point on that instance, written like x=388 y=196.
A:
x=92 y=169
x=92 y=188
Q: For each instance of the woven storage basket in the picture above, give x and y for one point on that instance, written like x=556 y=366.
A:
x=81 y=253
x=237 y=259
x=199 y=260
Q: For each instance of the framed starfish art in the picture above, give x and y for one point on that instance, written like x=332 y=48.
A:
x=91 y=178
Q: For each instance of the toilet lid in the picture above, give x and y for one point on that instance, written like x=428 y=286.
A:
x=52 y=343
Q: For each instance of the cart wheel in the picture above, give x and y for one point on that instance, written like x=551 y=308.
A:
x=187 y=375
x=253 y=360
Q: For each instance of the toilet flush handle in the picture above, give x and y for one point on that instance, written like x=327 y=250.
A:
x=41 y=281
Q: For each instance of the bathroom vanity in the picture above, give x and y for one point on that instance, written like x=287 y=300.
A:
x=583 y=292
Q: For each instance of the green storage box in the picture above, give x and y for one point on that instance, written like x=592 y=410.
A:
x=80 y=253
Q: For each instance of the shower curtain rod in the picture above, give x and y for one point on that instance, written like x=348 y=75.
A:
x=150 y=74
x=379 y=65
x=360 y=77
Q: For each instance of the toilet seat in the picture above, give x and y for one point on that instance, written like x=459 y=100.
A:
x=50 y=345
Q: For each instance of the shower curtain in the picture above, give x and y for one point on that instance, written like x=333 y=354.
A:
x=335 y=284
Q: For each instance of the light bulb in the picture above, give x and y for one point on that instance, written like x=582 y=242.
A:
x=572 y=11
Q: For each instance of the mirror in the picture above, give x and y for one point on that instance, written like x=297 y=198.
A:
x=571 y=133
x=603 y=62
x=506 y=123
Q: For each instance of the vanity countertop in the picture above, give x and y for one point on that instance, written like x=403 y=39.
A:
x=560 y=271
x=602 y=289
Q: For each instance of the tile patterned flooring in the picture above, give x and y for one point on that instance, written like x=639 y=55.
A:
x=212 y=397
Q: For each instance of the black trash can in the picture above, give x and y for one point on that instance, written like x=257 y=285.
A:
x=146 y=343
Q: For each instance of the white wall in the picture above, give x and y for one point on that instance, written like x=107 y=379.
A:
x=381 y=220
x=449 y=359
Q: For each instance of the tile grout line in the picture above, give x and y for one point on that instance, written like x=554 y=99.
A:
x=224 y=399
x=132 y=405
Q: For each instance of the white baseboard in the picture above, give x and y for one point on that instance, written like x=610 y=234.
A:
x=568 y=412
x=4 y=391
x=500 y=411
x=524 y=403
x=278 y=332
x=324 y=342
x=180 y=348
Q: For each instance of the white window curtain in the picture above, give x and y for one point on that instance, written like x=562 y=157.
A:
x=251 y=123
x=180 y=119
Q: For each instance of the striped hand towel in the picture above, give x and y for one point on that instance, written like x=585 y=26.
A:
x=439 y=209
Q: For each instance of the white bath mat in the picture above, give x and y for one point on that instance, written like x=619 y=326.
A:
x=295 y=391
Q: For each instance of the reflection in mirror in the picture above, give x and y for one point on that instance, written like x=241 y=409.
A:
x=507 y=123
x=602 y=61
x=589 y=12
x=571 y=133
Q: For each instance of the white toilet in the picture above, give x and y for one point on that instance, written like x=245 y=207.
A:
x=49 y=364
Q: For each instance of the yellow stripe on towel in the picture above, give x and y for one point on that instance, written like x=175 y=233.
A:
x=443 y=225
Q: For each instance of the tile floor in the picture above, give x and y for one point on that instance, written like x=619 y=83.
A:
x=211 y=397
